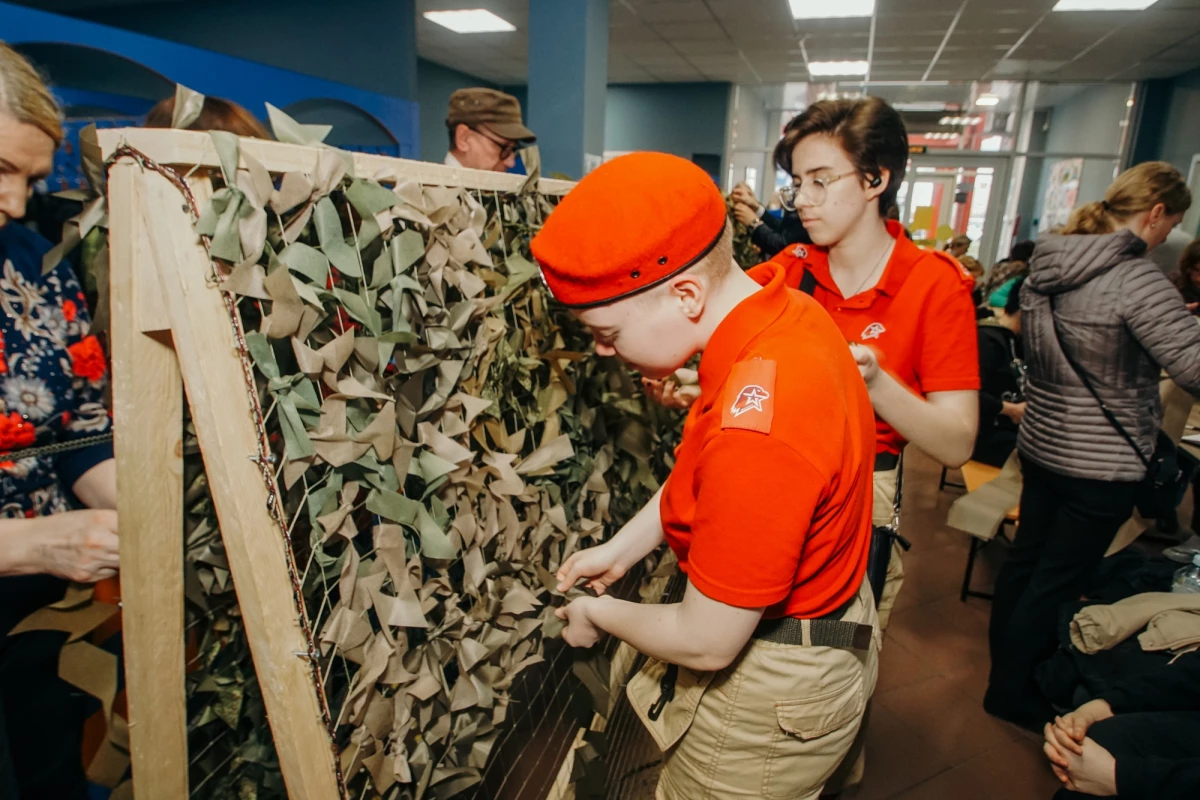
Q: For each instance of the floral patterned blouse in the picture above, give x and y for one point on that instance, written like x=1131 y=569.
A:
x=53 y=376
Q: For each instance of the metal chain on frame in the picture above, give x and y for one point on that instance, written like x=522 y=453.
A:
x=264 y=458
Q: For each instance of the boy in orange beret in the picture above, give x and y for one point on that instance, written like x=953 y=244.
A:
x=757 y=680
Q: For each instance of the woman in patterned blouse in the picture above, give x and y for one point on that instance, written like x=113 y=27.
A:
x=58 y=519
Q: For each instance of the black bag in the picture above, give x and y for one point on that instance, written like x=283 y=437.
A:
x=1162 y=489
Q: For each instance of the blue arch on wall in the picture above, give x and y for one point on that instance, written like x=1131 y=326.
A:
x=245 y=82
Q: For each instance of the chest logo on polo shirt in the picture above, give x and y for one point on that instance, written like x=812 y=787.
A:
x=873 y=331
x=800 y=251
x=749 y=396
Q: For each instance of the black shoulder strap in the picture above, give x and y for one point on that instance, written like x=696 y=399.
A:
x=1108 y=414
x=808 y=283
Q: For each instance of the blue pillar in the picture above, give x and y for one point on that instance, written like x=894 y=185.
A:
x=568 y=79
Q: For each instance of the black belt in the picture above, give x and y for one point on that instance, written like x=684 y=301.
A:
x=827 y=631
x=886 y=462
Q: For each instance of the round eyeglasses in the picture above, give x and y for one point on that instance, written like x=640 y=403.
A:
x=813 y=192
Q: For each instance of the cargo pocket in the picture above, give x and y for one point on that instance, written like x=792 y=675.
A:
x=677 y=715
x=812 y=737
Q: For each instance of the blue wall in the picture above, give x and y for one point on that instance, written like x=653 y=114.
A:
x=370 y=44
x=679 y=118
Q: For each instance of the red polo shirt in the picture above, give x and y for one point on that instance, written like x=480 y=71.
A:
x=769 y=503
x=919 y=318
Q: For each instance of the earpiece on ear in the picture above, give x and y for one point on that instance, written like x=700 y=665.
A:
x=874 y=184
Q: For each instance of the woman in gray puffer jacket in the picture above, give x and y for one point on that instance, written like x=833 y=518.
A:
x=1123 y=322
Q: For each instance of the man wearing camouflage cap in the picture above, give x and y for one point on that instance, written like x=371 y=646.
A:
x=486 y=130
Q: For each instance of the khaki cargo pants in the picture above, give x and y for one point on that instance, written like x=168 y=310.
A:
x=774 y=724
x=884 y=512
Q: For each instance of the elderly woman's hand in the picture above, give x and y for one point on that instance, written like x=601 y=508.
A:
x=80 y=546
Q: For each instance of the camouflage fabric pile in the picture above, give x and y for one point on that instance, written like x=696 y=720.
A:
x=443 y=440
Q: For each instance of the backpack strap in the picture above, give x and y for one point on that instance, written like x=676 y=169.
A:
x=808 y=283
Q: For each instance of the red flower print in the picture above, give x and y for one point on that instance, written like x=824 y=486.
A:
x=16 y=433
x=70 y=310
x=87 y=359
x=3 y=356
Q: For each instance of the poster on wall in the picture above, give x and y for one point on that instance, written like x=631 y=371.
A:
x=1062 y=193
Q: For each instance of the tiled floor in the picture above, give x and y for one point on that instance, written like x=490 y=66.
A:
x=928 y=736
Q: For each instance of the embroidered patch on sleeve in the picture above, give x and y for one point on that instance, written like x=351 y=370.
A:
x=750 y=396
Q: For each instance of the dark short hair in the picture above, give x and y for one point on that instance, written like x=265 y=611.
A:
x=1022 y=251
x=1013 y=304
x=452 y=130
x=870 y=131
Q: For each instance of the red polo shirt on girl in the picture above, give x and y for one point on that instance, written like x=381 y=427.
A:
x=919 y=318
x=769 y=503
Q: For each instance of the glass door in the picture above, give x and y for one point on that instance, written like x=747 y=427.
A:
x=949 y=194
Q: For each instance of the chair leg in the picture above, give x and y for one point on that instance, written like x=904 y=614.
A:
x=942 y=482
x=966 y=587
x=946 y=483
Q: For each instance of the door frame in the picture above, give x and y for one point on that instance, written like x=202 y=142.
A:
x=1001 y=164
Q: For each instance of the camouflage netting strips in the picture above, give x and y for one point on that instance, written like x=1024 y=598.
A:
x=442 y=440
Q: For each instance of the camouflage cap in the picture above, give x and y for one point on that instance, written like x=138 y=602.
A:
x=498 y=112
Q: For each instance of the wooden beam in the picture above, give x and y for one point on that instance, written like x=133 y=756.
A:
x=148 y=416
x=254 y=545
x=190 y=148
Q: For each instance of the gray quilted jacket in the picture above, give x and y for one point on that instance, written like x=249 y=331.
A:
x=1122 y=321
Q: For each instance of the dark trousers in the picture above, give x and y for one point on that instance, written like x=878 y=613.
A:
x=1168 y=735
x=41 y=722
x=1066 y=526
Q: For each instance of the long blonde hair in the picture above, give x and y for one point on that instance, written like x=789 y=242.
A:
x=24 y=96
x=1136 y=190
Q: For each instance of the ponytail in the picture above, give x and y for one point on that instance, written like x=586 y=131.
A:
x=1135 y=191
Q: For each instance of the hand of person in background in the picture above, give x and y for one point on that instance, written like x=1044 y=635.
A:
x=678 y=391
x=744 y=195
x=746 y=215
x=81 y=546
x=1014 y=411
x=1092 y=771
x=1076 y=724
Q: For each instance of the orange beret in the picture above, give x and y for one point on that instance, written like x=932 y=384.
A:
x=631 y=224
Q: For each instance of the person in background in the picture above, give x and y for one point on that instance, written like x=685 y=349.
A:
x=486 y=130
x=973 y=267
x=58 y=519
x=958 y=246
x=1167 y=255
x=1016 y=264
x=1002 y=382
x=772 y=229
x=217 y=114
x=1091 y=293
x=1140 y=740
x=1187 y=278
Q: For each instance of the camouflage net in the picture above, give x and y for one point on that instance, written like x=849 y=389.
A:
x=442 y=437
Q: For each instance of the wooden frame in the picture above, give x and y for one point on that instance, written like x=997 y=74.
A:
x=171 y=333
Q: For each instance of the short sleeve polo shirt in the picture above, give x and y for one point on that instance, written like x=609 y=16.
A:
x=919 y=318
x=769 y=503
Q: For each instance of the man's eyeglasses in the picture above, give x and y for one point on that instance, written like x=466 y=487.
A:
x=814 y=191
x=507 y=148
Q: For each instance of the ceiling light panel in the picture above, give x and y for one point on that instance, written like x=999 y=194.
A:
x=823 y=69
x=987 y=100
x=470 y=20
x=825 y=9
x=1103 y=5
